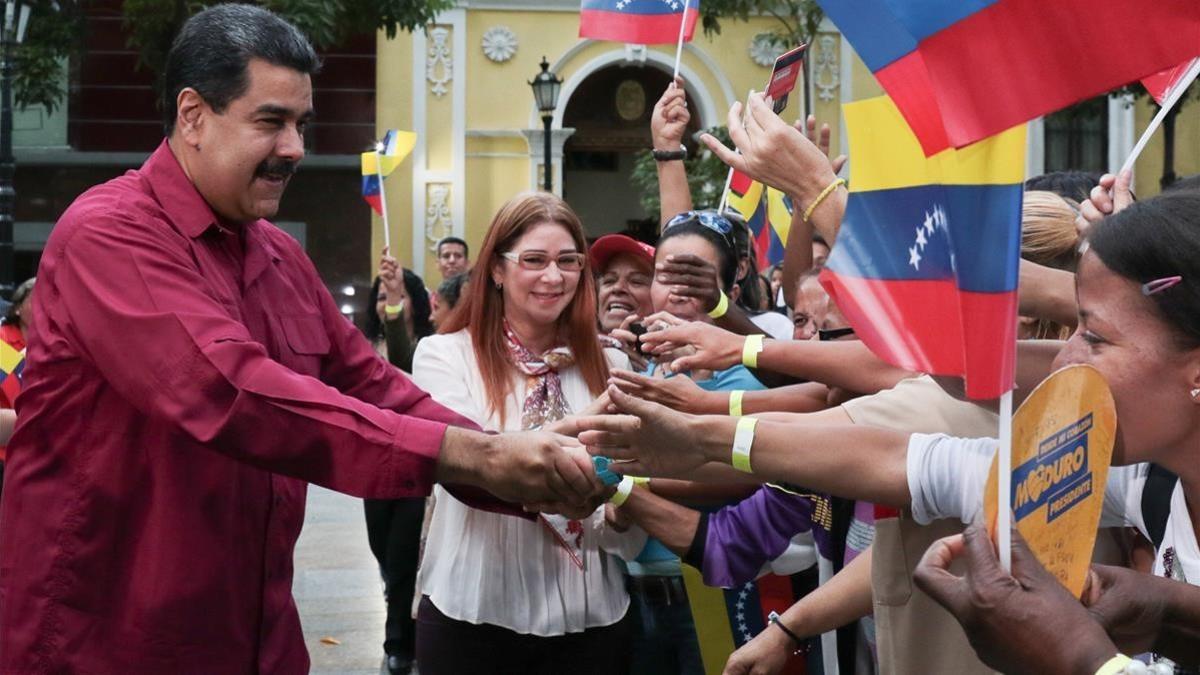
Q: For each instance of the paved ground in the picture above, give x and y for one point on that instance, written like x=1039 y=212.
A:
x=337 y=587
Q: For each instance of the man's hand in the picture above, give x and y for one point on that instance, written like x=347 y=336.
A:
x=546 y=471
x=767 y=654
x=655 y=440
x=1025 y=622
x=774 y=152
x=714 y=348
x=669 y=122
x=690 y=277
x=821 y=140
x=1130 y=605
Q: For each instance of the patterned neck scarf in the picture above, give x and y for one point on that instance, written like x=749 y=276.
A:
x=544 y=401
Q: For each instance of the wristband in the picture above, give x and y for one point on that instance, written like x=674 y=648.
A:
x=735 y=402
x=722 y=307
x=774 y=618
x=750 y=350
x=624 y=489
x=821 y=197
x=670 y=155
x=392 y=310
x=1115 y=665
x=743 y=439
x=640 y=480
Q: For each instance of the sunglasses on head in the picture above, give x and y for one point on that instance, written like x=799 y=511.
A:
x=710 y=219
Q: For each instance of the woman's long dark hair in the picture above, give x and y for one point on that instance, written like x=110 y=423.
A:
x=418 y=305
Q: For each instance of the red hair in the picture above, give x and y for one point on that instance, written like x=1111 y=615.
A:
x=481 y=310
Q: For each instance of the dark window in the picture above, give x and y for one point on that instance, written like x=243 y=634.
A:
x=1077 y=137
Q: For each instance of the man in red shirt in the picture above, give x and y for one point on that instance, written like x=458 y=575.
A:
x=188 y=374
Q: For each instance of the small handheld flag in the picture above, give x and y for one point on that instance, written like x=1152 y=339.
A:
x=643 y=22
x=378 y=164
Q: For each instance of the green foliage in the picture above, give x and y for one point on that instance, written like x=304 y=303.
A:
x=797 y=19
x=706 y=178
x=56 y=32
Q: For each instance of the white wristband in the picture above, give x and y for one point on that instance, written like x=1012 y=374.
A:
x=743 y=439
x=624 y=488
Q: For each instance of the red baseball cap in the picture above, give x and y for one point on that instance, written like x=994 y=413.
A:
x=604 y=248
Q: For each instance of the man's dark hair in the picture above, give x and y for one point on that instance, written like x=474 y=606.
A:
x=1071 y=184
x=450 y=290
x=453 y=240
x=214 y=47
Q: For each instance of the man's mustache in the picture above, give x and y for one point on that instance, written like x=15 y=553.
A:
x=280 y=167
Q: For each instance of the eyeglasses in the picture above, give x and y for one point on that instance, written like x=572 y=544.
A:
x=834 y=334
x=540 y=260
x=710 y=219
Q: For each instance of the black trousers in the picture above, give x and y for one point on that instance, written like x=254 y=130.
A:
x=394 y=534
x=449 y=647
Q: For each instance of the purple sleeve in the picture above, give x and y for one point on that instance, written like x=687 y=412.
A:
x=745 y=536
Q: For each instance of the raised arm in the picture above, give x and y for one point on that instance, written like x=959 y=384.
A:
x=668 y=124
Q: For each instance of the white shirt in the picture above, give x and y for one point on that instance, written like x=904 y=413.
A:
x=946 y=479
x=483 y=567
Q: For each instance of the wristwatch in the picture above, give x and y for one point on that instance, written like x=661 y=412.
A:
x=670 y=155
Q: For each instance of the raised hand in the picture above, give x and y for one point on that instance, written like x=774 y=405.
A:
x=1112 y=195
x=821 y=139
x=690 y=277
x=677 y=393
x=669 y=122
x=1008 y=617
x=391 y=277
x=653 y=439
x=773 y=152
x=712 y=348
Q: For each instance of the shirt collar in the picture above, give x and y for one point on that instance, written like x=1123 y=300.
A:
x=177 y=194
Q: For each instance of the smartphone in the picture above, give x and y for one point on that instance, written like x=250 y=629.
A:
x=639 y=329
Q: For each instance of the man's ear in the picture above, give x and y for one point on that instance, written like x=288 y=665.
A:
x=191 y=113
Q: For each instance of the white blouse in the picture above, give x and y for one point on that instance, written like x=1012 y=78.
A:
x=483 y=567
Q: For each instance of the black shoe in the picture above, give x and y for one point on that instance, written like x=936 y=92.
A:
x=399 y=665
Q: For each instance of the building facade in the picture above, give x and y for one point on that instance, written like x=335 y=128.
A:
x=463 y=87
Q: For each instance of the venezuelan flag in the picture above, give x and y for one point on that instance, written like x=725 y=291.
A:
x=728 y=618
x=642 y=22
x=963 y=70
x=379 y=163
x=925 y=264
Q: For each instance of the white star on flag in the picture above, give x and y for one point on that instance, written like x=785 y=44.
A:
x=914 y=258
x=921 y=240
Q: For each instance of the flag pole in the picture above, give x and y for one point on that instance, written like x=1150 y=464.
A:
x=387 y=230
x=679 y=47
x=729 y=177
x=1004 y=483
x=1167 y=104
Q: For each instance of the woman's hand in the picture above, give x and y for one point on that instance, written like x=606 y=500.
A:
x=655 y=440
x=766 y=654
x=670 y=119
x=774 y=152
x=821 y=140
x=630 y=342
x=1112 y=195
x=678 y=393
x=713 y=348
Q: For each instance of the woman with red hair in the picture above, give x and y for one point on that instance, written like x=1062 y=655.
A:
x=503 y=594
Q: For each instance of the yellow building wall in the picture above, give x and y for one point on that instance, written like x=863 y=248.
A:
x=393 y=66
x=1148 y=170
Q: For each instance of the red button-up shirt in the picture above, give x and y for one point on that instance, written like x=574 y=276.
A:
x=184 y=381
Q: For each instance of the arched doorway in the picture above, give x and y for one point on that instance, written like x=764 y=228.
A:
x=610 y=112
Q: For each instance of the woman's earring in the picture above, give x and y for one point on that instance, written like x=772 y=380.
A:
x=1195 y=393
x=500 y=287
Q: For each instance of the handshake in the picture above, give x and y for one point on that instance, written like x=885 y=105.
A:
x=551 y=471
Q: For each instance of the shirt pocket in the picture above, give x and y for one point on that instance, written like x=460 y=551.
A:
x=305 y=344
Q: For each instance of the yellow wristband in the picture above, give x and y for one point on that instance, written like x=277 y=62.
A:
x=743 y=439
x=640 y=480
x=821 y=197
x=624 y=489
x=722 y=307
x=393 y=309
x=750 y=350
x=735 y=402
x=1114 y=665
